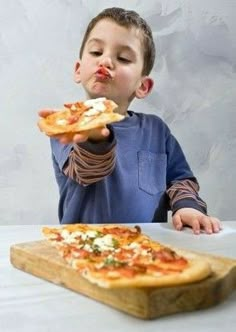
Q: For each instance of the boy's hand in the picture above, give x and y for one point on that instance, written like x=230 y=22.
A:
x=196 y=220
x=95 y=135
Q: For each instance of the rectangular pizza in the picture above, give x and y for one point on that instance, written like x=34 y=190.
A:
x=113 y=256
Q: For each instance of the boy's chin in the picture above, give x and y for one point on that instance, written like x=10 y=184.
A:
x=98 y=91
x=98 y=95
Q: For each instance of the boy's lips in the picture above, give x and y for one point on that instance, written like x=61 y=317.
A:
x=103 y=74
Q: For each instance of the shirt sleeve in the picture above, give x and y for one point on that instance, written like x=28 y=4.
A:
x=182 y=186
x=90 y=162
x=183 y=194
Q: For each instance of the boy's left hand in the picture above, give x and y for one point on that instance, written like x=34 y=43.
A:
x=196 y=220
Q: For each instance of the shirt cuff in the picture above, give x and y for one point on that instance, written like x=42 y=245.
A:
x=188 y=203
x=100 y=148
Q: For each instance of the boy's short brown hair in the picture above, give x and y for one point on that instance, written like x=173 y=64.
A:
x=127 y=18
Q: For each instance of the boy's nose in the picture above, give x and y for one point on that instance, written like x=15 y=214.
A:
x=106 y=61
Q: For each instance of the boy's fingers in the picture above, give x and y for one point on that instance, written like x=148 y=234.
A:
x=210 y=224
x=65 y=139
x=73 y=138
x=91 y=134
x=216 y=225
x=98 y=134
x=80 y=138
x=196 y=226
x=178 y=225
x=205 y=224
x=105 y=132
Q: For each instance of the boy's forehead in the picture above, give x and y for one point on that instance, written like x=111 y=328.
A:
x=107 y=28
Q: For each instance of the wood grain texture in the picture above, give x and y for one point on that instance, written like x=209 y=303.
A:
x=41 y=259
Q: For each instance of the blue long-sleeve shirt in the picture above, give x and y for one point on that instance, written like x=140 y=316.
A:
x=148 y=160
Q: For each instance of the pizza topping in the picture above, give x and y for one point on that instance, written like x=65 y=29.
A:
x=80 y=253
x=105 y=243
x=91 y=112
x=96 y=103
x=133 y=245
x=93 y=234
x=96 y=249
x=111 y=261
x=108 y=254
x=62 y=122
x=165 y=255
x=77 y=235
x=92 y=107
x=73 y=107
x=121 y=232
x=78 y=107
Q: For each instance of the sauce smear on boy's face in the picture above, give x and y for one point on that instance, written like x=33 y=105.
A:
x=112 y=62
x=103 y=74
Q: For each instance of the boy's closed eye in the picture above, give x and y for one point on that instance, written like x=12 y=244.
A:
x=95 y=53
x=120 y=58
x=123 y=59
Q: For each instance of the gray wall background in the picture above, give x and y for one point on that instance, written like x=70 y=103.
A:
x=195 y=93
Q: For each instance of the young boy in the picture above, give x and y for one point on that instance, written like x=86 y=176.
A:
x=134 y=170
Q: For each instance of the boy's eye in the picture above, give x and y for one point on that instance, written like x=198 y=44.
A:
x=95 y=53
x=122 y=59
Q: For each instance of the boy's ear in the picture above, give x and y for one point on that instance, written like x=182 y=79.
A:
x=77 y=72
x=145 y=87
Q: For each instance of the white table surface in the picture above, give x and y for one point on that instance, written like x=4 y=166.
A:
x=31 y=304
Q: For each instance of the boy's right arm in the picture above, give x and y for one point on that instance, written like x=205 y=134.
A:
x=90 y=162
x=92 y=156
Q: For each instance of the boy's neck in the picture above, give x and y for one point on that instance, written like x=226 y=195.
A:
x=122 y=110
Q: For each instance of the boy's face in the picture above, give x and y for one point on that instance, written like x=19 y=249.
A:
x=119 y=51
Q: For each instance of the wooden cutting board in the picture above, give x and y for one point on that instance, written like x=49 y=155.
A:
x=41 y=259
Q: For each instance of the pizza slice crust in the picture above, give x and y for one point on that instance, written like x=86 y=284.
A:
x=197 y=270
x=50 y=128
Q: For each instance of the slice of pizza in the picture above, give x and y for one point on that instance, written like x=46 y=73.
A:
x=114 y=256
x=80 y=116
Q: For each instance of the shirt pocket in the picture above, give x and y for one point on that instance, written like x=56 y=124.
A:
x=152 y=171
